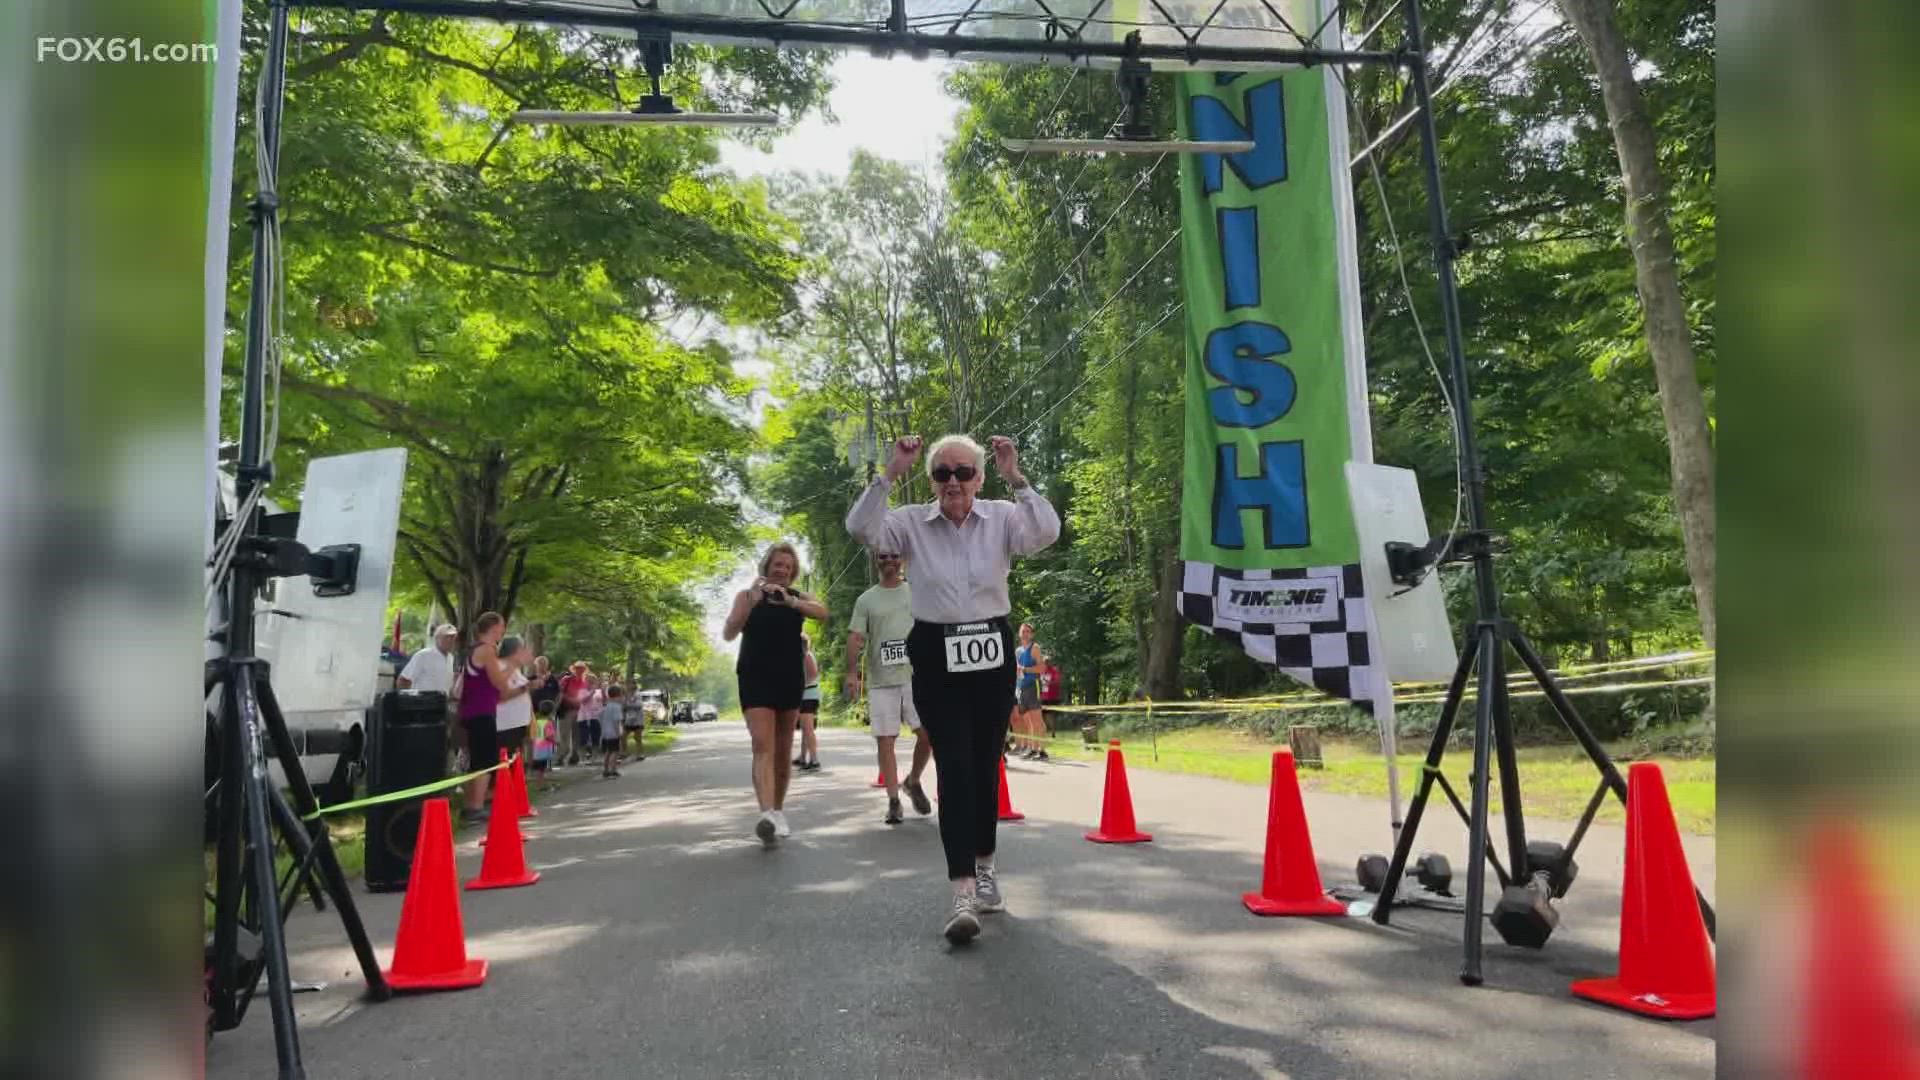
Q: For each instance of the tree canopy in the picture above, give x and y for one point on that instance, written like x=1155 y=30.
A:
x=1034 y=295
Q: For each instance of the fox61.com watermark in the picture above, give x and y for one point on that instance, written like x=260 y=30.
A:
x=123 y=50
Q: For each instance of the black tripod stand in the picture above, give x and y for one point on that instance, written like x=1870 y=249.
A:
x=1524 y=915
x=245 y=726
x=251 y=897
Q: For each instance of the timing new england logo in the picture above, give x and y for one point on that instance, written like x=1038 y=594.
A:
x=1294 y=600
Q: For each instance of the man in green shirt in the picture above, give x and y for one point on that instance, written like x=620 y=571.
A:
x=882 y=618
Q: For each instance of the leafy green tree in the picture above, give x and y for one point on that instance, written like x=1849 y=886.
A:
x=509 y=302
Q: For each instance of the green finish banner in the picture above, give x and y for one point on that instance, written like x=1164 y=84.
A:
x=1275 y=378
x=1267 y=427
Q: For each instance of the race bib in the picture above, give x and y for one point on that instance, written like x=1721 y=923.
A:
x=893 y=653
x=973 y=647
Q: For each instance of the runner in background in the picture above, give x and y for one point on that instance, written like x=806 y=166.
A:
x=1053 y=691
x=1029 y=661
x=809 y=759
x=882 y=619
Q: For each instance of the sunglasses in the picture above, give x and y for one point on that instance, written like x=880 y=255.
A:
x=887 y=558
x=941 y=474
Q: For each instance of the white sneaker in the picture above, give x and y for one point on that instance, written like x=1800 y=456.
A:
x=962 y=924
x=780 y=826
x=766 y=830
x=986 y=893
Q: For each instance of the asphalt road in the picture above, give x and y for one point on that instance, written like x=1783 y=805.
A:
x=663 y=941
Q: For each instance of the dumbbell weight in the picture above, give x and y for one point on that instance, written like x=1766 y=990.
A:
x=1432 y=871
x=1525 y=915
x=1543 y=857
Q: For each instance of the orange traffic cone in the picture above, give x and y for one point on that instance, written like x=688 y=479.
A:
x=1857 y=1014
x=1007 y=812
x=505 y=863
x=1116 y=810
x=1289 y=878
x=880 y=780
x=505 y=790
x=520 y=788
x=1666 y=962
x=430 y=950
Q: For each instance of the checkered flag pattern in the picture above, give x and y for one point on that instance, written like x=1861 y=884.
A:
x=1333 y=656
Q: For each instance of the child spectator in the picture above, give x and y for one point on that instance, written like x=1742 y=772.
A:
x=544 y=744
x=611 y=716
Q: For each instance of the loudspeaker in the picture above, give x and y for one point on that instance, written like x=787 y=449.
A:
x=408 y=747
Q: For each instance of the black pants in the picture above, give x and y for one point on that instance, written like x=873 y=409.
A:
x=965 y=715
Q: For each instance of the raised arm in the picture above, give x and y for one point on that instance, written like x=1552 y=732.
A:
x=869 y=520
x=1035 y=524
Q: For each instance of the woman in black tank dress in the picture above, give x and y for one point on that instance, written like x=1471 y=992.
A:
x=768 y=617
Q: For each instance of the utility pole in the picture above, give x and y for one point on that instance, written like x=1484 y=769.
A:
x=871 y=443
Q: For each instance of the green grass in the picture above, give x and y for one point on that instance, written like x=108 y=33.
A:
x=1555 y=782
x=659 y=739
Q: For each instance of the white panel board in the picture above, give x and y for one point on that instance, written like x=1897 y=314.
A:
x=328 y=647
x=1413 y=629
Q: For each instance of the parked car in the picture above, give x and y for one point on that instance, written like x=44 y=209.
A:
x=705 y=711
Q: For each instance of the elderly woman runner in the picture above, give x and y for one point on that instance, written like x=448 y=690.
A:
x=961 y=648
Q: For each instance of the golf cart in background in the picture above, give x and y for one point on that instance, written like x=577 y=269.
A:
x=653 y=706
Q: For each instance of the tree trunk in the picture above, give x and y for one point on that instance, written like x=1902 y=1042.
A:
x=1657 y=279
x=1163 y=663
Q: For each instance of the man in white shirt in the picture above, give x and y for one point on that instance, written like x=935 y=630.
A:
x=432 y=669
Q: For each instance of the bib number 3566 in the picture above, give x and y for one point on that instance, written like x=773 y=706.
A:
x=973 y=647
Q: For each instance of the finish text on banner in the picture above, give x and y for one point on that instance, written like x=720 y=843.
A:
x=1266 y=432
x=1267 y=537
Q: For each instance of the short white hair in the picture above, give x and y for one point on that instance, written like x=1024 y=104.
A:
x=947 y=441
